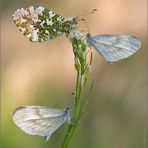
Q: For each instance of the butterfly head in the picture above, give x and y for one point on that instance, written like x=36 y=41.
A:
x=68 y=113
x=71 y=22
x=88 y=35
x=89 y=39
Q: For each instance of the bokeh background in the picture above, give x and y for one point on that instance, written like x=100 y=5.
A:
x=44 y=74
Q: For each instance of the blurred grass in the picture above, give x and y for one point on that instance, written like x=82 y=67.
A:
x=43 y=74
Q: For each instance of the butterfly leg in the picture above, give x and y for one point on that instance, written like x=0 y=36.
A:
x=90 y=48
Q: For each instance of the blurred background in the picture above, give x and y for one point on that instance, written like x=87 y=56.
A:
x=44 y=74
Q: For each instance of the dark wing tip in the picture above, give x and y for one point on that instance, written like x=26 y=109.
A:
x=18 y=108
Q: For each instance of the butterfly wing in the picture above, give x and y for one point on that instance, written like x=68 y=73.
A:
x=39 y=120
x=39 y=24
x=114 y=47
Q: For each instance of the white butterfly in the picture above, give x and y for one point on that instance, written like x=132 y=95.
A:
x=40 y=120
x=114 y=47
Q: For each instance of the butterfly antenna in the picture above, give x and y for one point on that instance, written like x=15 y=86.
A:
x=83 y=14
x=86 y=26
x=93 y=11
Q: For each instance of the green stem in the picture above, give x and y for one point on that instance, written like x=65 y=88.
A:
x=84 y=106
x=75 y=117
x=81 y=66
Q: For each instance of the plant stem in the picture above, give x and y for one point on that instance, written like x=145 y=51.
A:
x=75 y=117
x=83 y=71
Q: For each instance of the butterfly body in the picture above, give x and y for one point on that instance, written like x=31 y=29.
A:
x=40 y=120
x=114 y=47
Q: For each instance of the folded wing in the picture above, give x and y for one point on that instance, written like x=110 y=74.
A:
x=39 y=120
x=38 y=24
x=115 y=47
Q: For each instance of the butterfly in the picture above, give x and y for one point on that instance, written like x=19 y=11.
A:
x=40 y=120
x=39 y=24
x=114 y=47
